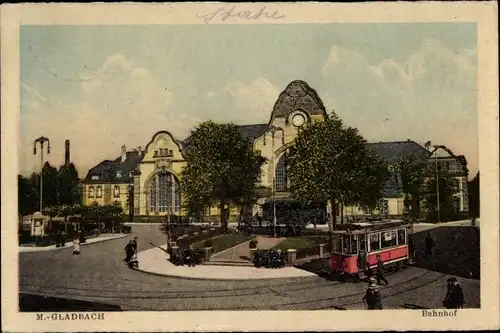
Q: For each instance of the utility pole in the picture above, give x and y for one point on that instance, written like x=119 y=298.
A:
x=41 y=140
x=437 y=184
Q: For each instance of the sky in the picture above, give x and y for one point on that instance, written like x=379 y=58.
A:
x=102 y=87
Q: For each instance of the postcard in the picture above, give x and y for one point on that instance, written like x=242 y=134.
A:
x=250 y=167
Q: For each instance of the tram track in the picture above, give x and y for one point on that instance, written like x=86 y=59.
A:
x=178 y=298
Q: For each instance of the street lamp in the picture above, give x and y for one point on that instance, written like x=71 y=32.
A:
x=41 y=140
x=437 y=183
x=273 y=131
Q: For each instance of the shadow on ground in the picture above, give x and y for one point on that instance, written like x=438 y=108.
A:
x=457 y=251
x=37 y=303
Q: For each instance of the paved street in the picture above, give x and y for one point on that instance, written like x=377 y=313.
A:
x=99 y=275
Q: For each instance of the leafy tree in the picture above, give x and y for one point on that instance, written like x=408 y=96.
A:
x=474 y=196
x=221 y=168
x=28 y=195
x=447 y=200
x=331 y=163
x=51 y=211
x=412 y=169
x=50 y=185
x=68 y=182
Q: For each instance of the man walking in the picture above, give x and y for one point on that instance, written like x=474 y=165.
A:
x=129 y=251
x=380 y=271
x=429 y=245
x=454 y=295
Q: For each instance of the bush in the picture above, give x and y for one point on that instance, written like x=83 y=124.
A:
x=253 y=244
x=208 y=243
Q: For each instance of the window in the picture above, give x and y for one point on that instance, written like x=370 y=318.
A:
x=94 y=177
x=258 y=152
x=281 y=175
x=164 y=193
x=353 y=249
x=116 y=191
x=362 y=243
x=374 y=242
x=99 y=192
x=91 y=191
x=118 y=174
x=401 y=236
x=389 y=239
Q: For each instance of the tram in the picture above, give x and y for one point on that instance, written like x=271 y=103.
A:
x=360 y=243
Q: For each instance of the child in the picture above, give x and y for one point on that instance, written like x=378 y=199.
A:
x=76 y=246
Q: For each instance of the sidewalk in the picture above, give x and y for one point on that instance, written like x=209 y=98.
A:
x=155 y=261
x=102 y=238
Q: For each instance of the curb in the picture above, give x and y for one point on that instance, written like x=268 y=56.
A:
x=70 y=247
x=219 y=279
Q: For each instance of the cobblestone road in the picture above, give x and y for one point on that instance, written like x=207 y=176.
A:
x=99 y=275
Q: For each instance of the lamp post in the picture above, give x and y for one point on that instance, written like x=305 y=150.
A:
x=273 y=131
x=437 y=183
x=41 y=140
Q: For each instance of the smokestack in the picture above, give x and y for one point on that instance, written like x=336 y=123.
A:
x=124 y=153
x=66 y=153
x=140 y=150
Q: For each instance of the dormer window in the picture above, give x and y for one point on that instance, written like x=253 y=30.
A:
x=130 y=175
x=118 y=174
x=94 y=177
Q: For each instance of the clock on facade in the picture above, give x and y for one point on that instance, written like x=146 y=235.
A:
x=298 y=120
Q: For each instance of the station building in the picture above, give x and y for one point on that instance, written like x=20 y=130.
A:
x=147 y=181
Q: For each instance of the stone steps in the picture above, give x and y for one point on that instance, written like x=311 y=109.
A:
x=228 y=263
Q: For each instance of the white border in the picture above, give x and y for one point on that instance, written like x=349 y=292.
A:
x=484 y=13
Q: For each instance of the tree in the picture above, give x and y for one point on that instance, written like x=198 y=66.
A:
x=447 y=199
x=51 y=211
x=50 y=185
x=28 y=195
x=68 y=182
x=412 y=170
x=474 y=196
x=331 y=163
x=221 y=169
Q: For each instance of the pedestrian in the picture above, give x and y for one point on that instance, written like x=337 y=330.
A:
x=454 y=295
x=429 y=245
x=63 y=238
x=134 y=244
x=369 y=298
x=58 y=238
x=76 y=246
x=129 y=251
x=361 y=260
x=377 y=295
x=380 y=271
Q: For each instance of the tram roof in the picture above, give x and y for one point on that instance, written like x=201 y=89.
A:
x=364 y=227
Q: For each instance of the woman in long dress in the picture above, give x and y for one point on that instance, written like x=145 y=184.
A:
x=76 y=246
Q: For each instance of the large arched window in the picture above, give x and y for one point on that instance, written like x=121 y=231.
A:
x=164 y=193
x=281 y=179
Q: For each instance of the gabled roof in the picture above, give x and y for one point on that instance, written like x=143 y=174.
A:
x=392 y=151
x=107 y=171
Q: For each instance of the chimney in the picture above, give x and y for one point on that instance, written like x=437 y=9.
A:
x=66 y=153
x=124 y=153
x=139 y=149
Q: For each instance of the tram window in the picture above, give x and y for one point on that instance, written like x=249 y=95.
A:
x=401 y=237
x=346 y=244
x=362 y=243
x=354 y=245
x=388 y=239
x=374 y=242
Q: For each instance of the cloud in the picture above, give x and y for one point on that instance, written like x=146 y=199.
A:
x=430 y=95
x=121 y=103
x=254 y=101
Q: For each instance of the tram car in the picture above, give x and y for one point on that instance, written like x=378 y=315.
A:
x=360 y=243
